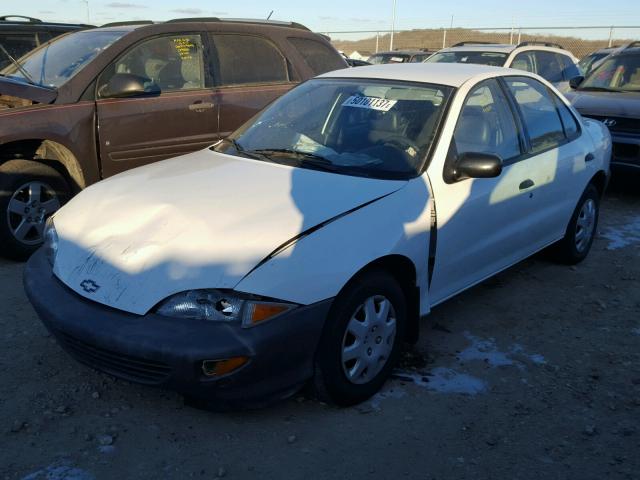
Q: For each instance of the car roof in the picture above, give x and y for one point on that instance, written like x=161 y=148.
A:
x=451 y=74
x=503 y=48
x=402 y=52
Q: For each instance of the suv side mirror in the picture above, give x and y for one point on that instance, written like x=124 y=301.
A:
x=478 y=165
x=575 y=82
x=124 y=85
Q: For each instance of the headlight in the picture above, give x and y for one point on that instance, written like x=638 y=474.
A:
x=221 y=306
x=50 y=241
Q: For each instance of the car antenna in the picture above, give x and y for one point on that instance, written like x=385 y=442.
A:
x=18 y=66
x=269 y=16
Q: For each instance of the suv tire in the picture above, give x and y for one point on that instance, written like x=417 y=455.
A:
x=30 y=192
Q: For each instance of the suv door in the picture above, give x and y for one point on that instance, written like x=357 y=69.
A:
x=249 y=73
x=556 y=167
x=182 y=118
x=482 y=222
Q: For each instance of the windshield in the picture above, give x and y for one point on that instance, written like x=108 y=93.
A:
x=59 y=60
x=494 y=59
x=381 y=58
x=618 y=73
x=587 y=63
x=374 y=128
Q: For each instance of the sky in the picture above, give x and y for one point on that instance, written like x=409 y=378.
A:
x=339 y=15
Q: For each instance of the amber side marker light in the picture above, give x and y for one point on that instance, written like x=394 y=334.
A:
x=264 y=311
x=218 y=368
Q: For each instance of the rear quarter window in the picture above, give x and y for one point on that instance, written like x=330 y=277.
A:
x=319 y=57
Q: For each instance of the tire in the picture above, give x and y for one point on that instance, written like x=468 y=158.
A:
x=581 y=231
x=340 y=380
x=30 y=192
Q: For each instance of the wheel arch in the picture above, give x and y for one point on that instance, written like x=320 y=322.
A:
x=404 y=271
x=599 y=180
x=50 y=153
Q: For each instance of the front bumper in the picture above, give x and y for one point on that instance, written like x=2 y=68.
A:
x=626 y=151
x=167 y=352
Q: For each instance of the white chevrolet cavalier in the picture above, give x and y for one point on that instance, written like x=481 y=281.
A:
x=307 y=245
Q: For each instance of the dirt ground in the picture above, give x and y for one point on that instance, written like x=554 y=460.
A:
x=534 y=374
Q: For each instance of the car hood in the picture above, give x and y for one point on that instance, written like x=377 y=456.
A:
x=616 y=104
x=203 y=220
x=20 y=89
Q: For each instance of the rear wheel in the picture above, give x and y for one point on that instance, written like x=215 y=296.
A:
x=581 y=231
x=361 y=340
x=30 y=192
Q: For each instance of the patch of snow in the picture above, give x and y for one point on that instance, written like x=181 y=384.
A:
x=445 y=380
x=389 y=391
x=621 y=236
x=60 y=471
x=636 y=331
x=487 y=351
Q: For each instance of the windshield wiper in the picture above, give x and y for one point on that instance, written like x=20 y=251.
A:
x=18 y=66
x=303 y=159
x=598 y=89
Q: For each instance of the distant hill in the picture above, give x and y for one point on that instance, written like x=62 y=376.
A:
x=432 y=39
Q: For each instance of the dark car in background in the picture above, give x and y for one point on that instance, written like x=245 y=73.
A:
x=94 y=103
x=19 y=35
x=400 y=56
x=611 y=94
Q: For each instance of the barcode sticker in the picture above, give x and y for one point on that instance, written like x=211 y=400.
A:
x=371 y=103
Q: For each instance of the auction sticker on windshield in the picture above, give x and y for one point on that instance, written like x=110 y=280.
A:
x=372 y=103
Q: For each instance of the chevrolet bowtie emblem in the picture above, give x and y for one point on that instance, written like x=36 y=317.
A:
x=89 y=286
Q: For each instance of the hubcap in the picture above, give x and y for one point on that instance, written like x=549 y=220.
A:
x=368 y=341
x=29 y=207
x=585 y=225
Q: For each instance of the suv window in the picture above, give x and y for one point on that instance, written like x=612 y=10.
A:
x=547 y=66
x=246 y=59
x=569 y=69
x=173 y=62
x=319 y=57
x=18 y=44
x=539 y=112
x=486 y=123
x=524 y=61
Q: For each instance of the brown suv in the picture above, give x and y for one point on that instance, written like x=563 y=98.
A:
x=93 y=103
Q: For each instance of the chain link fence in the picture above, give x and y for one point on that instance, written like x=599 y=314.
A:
x=578 y=40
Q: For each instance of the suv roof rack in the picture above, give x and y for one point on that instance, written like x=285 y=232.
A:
x=541 y=44
x=130 y=22
x=635 y=44
x=462 y=44
x=6 y=18
x=256 y=21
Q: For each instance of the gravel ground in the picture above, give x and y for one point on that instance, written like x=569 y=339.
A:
x=533 y=374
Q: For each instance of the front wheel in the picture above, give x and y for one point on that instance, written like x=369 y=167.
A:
x=361 y=340
x=581 y=231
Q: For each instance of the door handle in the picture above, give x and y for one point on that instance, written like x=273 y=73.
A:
x=589 y=157
x=528 y=183
x=201 y=106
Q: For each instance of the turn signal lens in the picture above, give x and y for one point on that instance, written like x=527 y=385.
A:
x=259 y=312
x=217 y=368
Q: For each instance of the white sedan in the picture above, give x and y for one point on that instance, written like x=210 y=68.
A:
x=307 y=245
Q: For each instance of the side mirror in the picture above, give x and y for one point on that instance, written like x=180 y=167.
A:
x=575 y=82
x=478 y=165
x=124 y=85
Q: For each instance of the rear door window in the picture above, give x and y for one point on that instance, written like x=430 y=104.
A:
x=319 y=57
x=547 y=66
x=19 y=44
x=247 y=59
x=539 y=113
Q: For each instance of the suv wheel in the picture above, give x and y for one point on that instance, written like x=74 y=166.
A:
x=30 y=192
x=361 y=340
